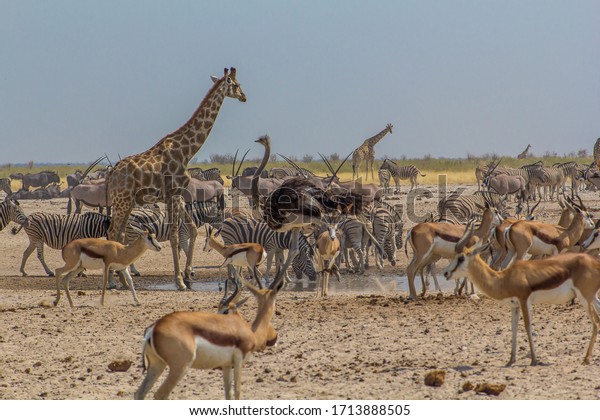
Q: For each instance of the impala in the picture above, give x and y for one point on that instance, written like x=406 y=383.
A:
x=556 y=279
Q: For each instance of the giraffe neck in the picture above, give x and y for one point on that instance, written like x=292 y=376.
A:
x=373 y=140
x=190 y=137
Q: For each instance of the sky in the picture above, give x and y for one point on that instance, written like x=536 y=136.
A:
x=80 y=78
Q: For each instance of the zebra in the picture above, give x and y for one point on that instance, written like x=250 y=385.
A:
x=458 y=209
x=212 y=174
x=10 y=211
x=384 y=180
x=57 y=230
x=239 y=229
x=5 y=186
x=156 y=222
x=551 y=180
x=387 y=229
x=409 y=172
x=281 y=173
x=355 y=235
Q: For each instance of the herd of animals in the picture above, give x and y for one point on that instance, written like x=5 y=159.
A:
x=321 y=222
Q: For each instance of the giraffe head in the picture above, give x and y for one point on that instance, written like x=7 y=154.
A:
x=231 y=85
x=389 y=127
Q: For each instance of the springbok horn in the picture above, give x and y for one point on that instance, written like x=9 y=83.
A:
x=537 y=204
x=469 y=229
x=225 y=301
x=580 y=202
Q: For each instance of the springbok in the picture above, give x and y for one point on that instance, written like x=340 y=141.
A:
x=95 y=253
x=248 y=255
x=556 y=280
x=534 y=238
x=434 y=240
x=203 y=340
x=327 y=250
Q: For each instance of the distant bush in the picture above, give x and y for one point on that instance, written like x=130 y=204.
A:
x=221 y=158
x=307 y=158
x=582 y=153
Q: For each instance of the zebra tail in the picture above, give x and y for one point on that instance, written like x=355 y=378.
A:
x=420 y=173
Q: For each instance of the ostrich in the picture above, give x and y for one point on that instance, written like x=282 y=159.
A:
x=298 y=203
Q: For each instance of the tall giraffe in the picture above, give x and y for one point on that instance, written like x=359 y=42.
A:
x=525 y=153
x=366 y=152
x=160 y=173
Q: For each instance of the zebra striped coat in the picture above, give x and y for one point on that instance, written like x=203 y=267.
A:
x=384 y=180
x=458 y=209
x=355 y=236
x=409 y=172
x=281 y=173
x=156 y=222
x=212 y=174
x=387 y=229
x=57 y=230
x=238 y=229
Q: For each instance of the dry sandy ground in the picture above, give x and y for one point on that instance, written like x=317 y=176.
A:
x=365 y=344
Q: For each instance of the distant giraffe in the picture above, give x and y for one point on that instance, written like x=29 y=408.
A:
x=525 y=153
x=597 y=153
x=160 y=173
x=366 y=152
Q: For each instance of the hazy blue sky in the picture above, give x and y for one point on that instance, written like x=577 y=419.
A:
x=82 y=78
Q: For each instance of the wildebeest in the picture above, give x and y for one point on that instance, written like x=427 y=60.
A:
x=41 y=179
x=51 y=191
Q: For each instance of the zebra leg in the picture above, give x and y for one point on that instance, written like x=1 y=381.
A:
x=26 y=255
x=40 y=255
x=193 y=233
x=291 y=255
x=174 y=213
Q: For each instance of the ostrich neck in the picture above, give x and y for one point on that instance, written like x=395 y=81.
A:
x=256 y=176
